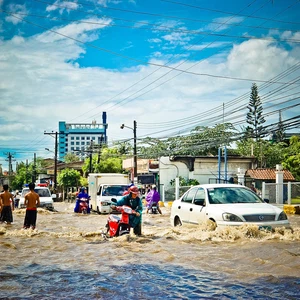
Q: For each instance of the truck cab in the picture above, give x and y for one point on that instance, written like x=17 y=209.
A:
x=105 y=194
x=103 y=187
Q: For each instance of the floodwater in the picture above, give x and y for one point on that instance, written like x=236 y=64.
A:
x=66 y=257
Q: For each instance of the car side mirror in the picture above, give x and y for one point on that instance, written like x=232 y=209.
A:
x=267 y=200
x=53 y=196
x=114 y=200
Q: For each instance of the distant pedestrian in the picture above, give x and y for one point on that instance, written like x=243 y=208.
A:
x=153 y=197
x=32 y=200
x=252 y=187
x=17 y=199
x=7 y=203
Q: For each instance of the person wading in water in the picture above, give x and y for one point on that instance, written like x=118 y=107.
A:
x=32 y=200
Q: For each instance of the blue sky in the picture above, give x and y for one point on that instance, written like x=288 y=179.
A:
x=170 y=65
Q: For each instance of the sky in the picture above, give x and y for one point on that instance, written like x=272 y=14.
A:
x=170 y=65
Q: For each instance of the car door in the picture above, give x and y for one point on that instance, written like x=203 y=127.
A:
x=185 y=207
x=198 y=208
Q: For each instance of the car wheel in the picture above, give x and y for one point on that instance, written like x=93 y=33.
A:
x=212 y=224
x=177 y=221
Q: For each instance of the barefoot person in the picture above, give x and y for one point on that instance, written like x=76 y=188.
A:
x=8 y=205
x=32 y=200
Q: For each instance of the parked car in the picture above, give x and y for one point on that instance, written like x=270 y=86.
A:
x=46 y=199
x=226 y=204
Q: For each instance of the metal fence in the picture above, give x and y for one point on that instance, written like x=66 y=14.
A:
x=273 y=192
x=281 y=193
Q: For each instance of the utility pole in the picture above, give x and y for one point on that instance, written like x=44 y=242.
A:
x=10 y=171
x=34 y=168
x=55 y=156
x=134 y=148
x=26 y=175
x=91 y=157
x=134 y=151
x=55 y=163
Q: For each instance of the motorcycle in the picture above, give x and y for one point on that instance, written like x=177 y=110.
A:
x=119 y=225
x=82 y=206
x=153 y=208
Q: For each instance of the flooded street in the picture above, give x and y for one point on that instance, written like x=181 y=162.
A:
x=66 y=257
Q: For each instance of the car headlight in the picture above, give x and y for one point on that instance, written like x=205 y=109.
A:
x=282 y=216
x=231 y=217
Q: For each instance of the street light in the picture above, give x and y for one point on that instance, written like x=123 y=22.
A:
x=134 y=147
x=55 y=167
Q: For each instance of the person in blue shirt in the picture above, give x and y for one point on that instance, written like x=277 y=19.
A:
x=132 y=200
x=82 y=195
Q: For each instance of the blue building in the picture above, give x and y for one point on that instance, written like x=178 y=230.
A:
x=77 y=138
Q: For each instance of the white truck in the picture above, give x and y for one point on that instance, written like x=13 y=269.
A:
x=105 y=186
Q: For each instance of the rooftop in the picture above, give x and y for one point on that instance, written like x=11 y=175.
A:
x=268 y=174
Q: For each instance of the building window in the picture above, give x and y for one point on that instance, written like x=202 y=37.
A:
x=82 y=143
x=72 y=138
x=88 y=138
x=87 y=143
x=72 y=148
x=72 y=143
x=77 y=143
x=82 y=137
x=77 y=138
x=77 y=148
x=93 y=138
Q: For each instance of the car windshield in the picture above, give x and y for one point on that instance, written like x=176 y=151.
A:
x=41 y=192
x=114 y=190
x=227 y=195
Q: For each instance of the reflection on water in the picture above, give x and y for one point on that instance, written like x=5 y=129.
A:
x=137 y=281
x=66 y=257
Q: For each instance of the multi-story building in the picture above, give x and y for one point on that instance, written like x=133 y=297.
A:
x=77 y=138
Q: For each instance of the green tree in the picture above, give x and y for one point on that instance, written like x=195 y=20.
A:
x=68 y=178
x=267 y=154
x=255 y=117
x=20 y=178
x=71 y=157
x=280 y=134
x=201 y=141
x=185 y=182
x=291 y=159
x=110 y=162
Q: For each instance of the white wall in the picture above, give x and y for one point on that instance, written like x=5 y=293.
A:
x=204 y=168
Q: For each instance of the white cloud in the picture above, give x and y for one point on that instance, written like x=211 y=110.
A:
x=76 y=30
x=222 y=23
x=15 y=8
x=40 y=85
x=155 y=40
x=62 y=6
x=259 y=59
x=206 y=46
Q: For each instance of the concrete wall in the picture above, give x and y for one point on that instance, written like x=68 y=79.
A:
x=204 y=169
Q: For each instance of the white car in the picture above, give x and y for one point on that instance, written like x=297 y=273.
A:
x=46 y=199
x=226 y=204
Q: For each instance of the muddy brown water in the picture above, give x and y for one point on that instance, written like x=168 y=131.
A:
x=66 y=257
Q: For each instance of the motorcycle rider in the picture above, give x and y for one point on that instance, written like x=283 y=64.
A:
x=153 y=197
x=82 y=194
x=132 y=200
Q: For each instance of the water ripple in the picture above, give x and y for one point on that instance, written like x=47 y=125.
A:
x=34 y=281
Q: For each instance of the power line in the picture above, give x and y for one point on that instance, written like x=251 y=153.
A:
x=141 y=61
x=230 y=13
